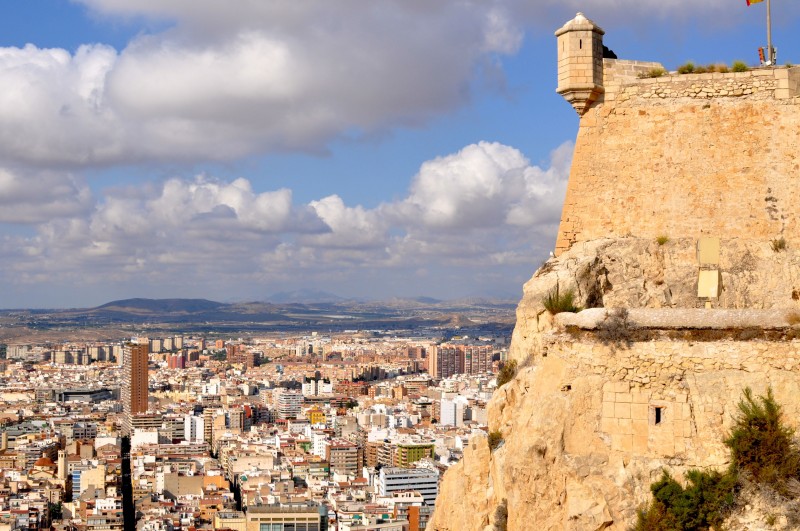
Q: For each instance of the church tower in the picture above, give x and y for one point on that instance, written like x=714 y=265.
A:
x=580 y=62
x=62 y=465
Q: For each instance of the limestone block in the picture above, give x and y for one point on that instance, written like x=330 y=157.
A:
x=622 y=411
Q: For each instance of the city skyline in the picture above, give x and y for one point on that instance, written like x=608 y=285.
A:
x=158 y=150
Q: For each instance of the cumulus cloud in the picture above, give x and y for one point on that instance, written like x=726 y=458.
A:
x=485 y=206
x=485 y=185
x=37 y=196
x=224 y=80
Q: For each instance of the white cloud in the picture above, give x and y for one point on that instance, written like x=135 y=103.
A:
x=229 y=79
x=484 y=207
x=37 y=196
x=350 y=227
x=486 y=185
x=52 y=109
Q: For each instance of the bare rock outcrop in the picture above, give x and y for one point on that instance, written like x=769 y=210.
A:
x=589 y=424
x=641 y=273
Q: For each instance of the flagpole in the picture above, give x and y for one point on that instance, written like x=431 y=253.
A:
x=770 y=53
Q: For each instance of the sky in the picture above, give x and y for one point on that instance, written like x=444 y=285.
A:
x=371 y=149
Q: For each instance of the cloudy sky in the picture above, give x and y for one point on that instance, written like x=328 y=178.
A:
x=234 y=149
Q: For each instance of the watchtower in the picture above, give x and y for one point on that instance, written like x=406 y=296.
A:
x=580 y=62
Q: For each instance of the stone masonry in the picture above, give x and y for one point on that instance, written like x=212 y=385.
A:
x=683 y=155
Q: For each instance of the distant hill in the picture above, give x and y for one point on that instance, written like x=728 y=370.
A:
x=162 y=305
x=323 y=311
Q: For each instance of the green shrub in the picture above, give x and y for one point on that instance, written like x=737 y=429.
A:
x=762 y=450
x=701 y=505
x=686 y=68
x=713 y=67
x=762 y=446
x=778 y=245
x=653 y=72
x=701 y=70
x=557 y=302
x=740 y=66
x=507 y=372
x=662 y=240
x=495 y=438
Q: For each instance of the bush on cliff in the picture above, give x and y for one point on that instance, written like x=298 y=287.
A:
x=763 y=450
x=507 y=372
x=501 y=516
x=762 y=446
x=702 y=504
x=495 y=438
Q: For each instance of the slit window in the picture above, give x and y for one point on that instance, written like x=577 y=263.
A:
x=580 y=44
x=658 y=415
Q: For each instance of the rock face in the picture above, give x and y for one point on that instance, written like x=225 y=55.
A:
x=640 y=273
x=648 y=379
x=581 y=441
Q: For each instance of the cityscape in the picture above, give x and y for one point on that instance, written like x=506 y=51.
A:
x=345 y=431
x=399 y=266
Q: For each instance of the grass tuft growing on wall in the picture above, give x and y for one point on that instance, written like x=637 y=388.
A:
x=556 y=302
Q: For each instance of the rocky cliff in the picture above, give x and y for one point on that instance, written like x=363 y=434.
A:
x=581 y=443
x=648 y=377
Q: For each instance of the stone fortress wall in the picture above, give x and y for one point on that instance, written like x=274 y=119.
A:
x=680 y=155
x=623 y=82
x=591 y=420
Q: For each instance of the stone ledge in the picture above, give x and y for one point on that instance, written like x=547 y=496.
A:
x=684 y=318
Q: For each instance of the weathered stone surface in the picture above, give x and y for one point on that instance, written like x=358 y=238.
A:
x=466 y=492
x=684 y=318
x=685 y=163
x=581 y=443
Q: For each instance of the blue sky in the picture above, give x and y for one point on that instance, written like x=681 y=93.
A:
x=229 y=150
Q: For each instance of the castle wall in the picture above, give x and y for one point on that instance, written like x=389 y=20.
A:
x=688 y=156
x=581 y=442
x=696 y=384
x=618 y=73
x=759 y=84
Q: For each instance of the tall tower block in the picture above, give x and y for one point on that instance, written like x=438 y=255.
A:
x=580 y=62
x=134 y=382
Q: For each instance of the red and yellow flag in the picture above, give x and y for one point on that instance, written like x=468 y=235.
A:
x=749 y=2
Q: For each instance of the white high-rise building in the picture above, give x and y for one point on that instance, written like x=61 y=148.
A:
x=422 y=480
x=452 y=411
x=290 y=403
x=194 y=428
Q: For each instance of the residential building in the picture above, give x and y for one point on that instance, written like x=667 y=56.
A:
x=134 y=380
x=306 y=516
x=422 y=480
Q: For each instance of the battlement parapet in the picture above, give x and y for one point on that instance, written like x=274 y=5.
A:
x=759 y=84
